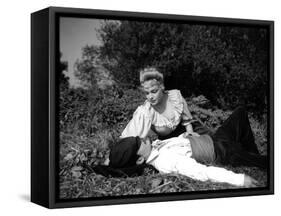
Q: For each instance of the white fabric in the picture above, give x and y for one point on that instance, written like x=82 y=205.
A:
x=174 y=156
x=145 y=116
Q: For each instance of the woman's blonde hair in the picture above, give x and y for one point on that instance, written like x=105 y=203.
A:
x=150 y=73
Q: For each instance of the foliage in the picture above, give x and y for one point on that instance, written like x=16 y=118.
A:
x=64 y=80
x=86 y=111
x=228 y=64
x=85 y=68
x=232 y=62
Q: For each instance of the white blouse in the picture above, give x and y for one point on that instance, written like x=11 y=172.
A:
x=174 y=155
x=146 y=116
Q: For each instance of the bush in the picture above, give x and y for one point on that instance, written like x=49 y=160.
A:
x=89 y=111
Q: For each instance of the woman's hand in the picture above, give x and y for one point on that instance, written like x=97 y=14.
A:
x=190 y=132
x=186 y=134
x=140 y=160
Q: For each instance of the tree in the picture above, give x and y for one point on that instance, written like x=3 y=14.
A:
x=134 y=45
x=85 y=69
x=63 y=79
x=228 y=64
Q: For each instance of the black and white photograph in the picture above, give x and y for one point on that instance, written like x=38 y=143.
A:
x=140 y=108
x=155 y=107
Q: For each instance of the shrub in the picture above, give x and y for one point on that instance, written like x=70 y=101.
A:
x=88 y=111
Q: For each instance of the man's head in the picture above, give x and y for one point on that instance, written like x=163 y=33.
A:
x=144 y=150
x=124 y=152
x=129 y=151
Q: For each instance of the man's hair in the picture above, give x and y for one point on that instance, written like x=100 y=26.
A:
x=150 y=73
x=124 y=152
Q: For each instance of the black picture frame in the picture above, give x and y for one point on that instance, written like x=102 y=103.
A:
x=44 y=105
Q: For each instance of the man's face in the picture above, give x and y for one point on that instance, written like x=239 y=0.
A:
x=145 y=148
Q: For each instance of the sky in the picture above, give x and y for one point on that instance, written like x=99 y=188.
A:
x=76 y=33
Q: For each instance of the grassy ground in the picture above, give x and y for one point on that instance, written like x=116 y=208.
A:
x=77 y=181
x=78 y=150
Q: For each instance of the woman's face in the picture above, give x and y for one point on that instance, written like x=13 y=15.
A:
x=153 y=91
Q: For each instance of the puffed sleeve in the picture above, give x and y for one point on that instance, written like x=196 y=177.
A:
x=186 y=115
x=139 y=125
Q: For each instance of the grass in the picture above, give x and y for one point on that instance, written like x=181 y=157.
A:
x=89 y=184
x=78 y=150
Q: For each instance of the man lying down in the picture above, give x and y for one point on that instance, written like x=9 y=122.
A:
x=192 y=156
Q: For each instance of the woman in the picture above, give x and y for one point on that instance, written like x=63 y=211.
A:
x=164 y=112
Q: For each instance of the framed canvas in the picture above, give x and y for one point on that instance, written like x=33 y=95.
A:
x=139 y=107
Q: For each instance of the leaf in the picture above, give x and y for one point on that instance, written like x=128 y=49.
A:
x=76 y=174
x=83 y=157
x=69 y=156
x=94 y=153
x=155 y=182
x=76 y=168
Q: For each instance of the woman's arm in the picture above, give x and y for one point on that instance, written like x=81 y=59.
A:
x=187 y=119
x=189 y=128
